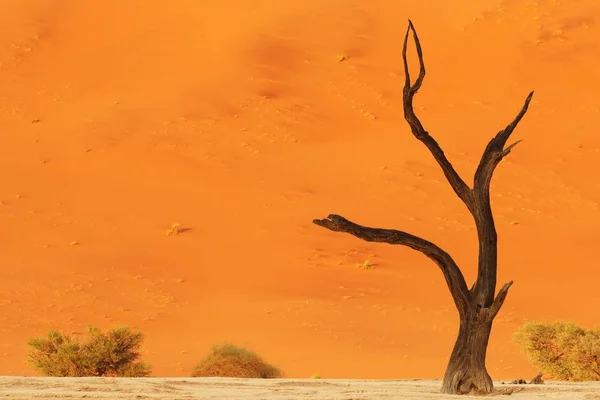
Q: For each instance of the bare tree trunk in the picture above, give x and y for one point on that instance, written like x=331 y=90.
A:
x=477 y=308
x=466 y=370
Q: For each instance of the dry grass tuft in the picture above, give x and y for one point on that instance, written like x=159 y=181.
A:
x=229 y=361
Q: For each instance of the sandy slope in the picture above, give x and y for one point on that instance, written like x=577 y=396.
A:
x=15 y=388
x=238 y=120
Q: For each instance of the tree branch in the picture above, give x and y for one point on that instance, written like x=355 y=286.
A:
x=495 y=152
x=499 y=300
x=507 y=150
x=458 y=184
x=454 y=277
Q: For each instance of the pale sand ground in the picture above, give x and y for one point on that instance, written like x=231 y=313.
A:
x=237 y=119
x=279 y=389
x=18 y=388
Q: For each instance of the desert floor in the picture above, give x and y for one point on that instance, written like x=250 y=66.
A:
x=18 y=388
x=244 y=120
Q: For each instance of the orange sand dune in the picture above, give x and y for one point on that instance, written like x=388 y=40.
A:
x=243 y=121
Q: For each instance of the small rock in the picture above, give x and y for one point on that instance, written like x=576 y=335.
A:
x=537 y=380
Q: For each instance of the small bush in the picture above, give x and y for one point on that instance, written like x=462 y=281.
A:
x=114 y=353
x=229 y=361
x=562 y=350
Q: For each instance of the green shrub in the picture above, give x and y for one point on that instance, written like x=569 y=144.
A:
x=562 y=350
x=114 y=353
x=231 y=361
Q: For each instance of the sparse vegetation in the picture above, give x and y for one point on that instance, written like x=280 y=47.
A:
x=562 y=350
x=175 y=229
x=114 y=353
x=229 y=361
x=367 y=264
x=315 y=376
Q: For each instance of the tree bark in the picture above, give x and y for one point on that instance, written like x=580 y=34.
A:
x=477 y=308
x=466 y=371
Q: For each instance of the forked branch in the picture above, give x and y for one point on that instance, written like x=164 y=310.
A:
x=458 y=184
x=495 y=151
x=453 y=275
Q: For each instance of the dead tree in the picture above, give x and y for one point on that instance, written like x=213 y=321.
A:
x=477 y=307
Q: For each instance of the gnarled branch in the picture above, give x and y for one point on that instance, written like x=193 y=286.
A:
x=499 y=300
x=485 y=286
x=458 y=184
x=453 y=275
x=495 y=152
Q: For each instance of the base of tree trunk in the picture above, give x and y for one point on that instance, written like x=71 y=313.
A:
x=466 y=372
x=469 y=382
